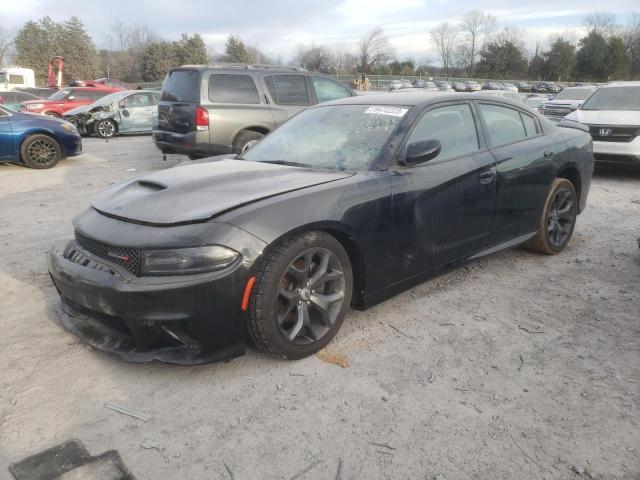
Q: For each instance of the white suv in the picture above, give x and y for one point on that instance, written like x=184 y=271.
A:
x=612 y=114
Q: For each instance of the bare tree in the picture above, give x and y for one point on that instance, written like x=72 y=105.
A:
x=315 y=58
x=6 y=43
x=374 y=49
x=471 y=27
x=512 y=34
x=601 y=22
x=489 y=27
x=444 y=37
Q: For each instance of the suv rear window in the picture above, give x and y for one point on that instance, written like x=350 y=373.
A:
x=181 y=86
x=228 y=88
x=288 y=89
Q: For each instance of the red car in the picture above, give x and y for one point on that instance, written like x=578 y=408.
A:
x=66 y=99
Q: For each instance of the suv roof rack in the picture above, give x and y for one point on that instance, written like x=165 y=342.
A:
x=247 y=66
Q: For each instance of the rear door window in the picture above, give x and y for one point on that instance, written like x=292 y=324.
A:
x=504 y=124
x=530 y=125
x=182 y=86
x=229 y=88
x=327 y=90
x=288 y=89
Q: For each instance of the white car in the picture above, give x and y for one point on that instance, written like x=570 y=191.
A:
x=565 y=102
x=509 y=87
x=612 y=114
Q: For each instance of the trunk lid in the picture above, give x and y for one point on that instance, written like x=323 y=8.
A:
x=197 y=192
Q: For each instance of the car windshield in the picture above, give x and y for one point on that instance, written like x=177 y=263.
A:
x=614 y=98
x=61 y=94
x=574 y=94
x=335 y=137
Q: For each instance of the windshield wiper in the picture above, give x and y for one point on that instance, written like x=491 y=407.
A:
x=285 y=162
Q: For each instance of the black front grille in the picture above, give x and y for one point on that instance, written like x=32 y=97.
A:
x=129 y=258
x=611 y=133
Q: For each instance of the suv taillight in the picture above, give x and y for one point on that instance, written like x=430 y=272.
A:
x=202 y=119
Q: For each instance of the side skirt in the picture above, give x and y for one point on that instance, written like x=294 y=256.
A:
x=392 y=290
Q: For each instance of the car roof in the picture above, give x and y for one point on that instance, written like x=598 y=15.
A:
x=418 y=99
x=237 y=66
x=635 y=83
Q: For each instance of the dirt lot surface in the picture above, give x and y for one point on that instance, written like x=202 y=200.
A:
x=518 y=366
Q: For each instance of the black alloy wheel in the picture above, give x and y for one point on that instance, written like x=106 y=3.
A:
x=310 y=296
x=557 y=219
x=301 y=295
x=561 y=217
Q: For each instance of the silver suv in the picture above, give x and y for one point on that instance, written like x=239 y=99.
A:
x=206 y=110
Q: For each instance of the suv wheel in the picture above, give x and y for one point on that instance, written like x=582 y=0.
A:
x=245 y=137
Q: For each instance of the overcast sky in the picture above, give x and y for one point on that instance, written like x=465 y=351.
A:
x=277 y=26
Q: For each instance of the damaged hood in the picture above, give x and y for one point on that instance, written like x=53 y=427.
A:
x=78 y=110
x=200 y=191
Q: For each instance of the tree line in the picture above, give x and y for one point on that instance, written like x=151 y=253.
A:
x=475 y=46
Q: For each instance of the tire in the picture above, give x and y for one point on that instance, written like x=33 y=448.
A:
x=40 y=152
x=290 y=322
x=557 y=219
x=243 y=138
x=105 y=128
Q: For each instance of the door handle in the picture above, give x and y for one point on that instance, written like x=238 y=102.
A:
x=548 y=154
x=486 y=177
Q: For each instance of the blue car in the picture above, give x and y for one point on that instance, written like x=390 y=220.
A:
x=36 y=141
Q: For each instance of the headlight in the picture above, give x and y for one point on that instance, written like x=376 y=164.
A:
x=184 y=261
x=70 y=127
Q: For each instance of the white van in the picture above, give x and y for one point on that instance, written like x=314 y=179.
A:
x=16 y=77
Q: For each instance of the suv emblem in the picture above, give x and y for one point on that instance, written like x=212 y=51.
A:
x=605 y=132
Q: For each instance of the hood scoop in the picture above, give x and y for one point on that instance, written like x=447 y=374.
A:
x=196 y=192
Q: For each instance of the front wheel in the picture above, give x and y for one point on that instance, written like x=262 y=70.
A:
x=40 y=151
x=557 y=220
x=301 y=296
x=105 y=128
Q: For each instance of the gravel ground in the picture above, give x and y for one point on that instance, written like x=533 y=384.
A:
x=517 y=366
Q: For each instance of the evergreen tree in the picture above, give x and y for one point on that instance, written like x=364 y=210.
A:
x=235 y=50
x=503 y=60
x=157 y=59
x=560 y=60
x=619 y=63
x=592 y=61
x=191 y=50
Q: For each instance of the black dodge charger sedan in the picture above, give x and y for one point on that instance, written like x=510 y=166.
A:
x=344 y=205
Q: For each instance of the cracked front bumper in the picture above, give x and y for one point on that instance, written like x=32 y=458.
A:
x=190 y=320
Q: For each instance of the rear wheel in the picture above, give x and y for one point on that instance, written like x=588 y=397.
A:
x=557 y=220
x=40 y=151
x=244 y=138
x=105 y=128
x=301 y=296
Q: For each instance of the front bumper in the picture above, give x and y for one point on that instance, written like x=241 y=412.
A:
x=617 y=152
x=190 y=320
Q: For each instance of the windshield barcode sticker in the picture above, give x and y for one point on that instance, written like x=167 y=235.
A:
x=384 y=110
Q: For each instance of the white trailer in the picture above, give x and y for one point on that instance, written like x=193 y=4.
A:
x=16 y=77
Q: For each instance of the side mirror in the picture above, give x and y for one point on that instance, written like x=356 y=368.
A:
x=423 y=151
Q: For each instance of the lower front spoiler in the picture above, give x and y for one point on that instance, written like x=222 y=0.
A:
x=184 y=350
